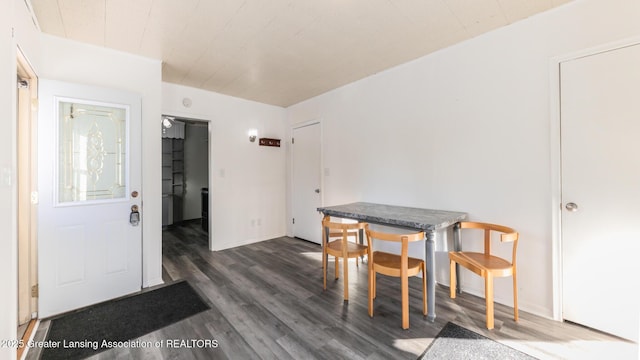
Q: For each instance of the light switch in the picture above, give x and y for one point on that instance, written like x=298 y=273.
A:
x=7 y=176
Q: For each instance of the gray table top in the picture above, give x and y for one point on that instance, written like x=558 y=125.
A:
x=392 y=215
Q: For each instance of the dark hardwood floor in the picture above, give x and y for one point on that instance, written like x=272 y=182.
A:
x=267 y=302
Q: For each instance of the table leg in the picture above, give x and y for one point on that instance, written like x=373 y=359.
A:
x=457 y=247
x=431 y=275
x=361 y=241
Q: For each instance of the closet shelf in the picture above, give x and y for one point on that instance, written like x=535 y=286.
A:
x=173 y=180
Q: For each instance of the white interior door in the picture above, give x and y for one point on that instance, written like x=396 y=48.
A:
x=306 y=183
x=600 y=127
x=90 y=176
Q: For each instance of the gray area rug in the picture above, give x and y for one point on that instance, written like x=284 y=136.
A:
x=120 y=320
x=456 y=342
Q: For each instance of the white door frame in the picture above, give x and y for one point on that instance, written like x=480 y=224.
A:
x=556 y=163
x=291 y=197
x=27 y=152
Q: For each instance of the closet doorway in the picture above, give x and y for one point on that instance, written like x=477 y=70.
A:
x=185 y=172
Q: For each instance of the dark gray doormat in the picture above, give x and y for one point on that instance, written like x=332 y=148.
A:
x=456 y=342
x=120 y=320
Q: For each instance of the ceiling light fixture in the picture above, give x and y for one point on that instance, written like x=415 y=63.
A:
x=167 y=122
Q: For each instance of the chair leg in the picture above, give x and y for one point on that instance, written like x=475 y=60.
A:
x=488 y=294
x=424 y=290
x=405 y=302
x=337 y=262
x=374 y=284
x=345 y=275
x=452 y=279
x=324 y=270
x=515 y=296
x=372 y=276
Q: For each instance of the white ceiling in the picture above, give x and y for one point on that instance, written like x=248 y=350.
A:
x=278 y=52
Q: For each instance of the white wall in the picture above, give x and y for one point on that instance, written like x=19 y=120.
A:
x=248 y=187
x=468 y=129
x=8 y=243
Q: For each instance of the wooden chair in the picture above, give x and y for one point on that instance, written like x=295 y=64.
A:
x=487 y=265
x=401 y=266
x=341 y=248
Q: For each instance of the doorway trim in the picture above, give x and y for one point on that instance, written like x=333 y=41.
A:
x=26 y=119
x=26 y=211
x=556 y=162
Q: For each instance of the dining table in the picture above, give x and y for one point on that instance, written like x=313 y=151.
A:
x=430 y=221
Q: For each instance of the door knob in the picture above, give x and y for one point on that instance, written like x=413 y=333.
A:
x=317 y=191
x=571 y=207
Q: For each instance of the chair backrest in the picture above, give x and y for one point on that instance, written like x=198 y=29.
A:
x=404 y=239
x=507 y=234
x=340 y=227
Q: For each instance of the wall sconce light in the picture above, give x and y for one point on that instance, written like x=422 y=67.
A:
x=253 y=134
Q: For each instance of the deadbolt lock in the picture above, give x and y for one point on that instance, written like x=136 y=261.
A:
x=134 y=217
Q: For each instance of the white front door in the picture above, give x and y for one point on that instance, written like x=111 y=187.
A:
x=306 y=183
x=600 y=130
x=89 y=179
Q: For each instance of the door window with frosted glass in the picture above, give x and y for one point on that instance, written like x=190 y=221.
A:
x=92 y=158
